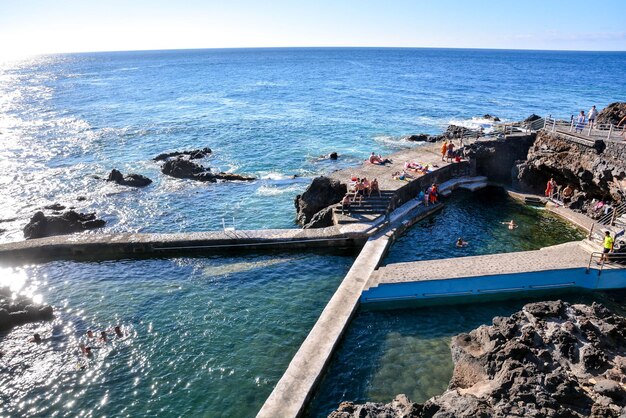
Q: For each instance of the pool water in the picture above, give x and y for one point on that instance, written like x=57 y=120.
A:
x=388 y=352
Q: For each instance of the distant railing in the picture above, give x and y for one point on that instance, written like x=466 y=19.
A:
x=606 y=132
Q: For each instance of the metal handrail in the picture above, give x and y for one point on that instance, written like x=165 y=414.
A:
x=616 y=212
x=605 y=131
x=598 y=254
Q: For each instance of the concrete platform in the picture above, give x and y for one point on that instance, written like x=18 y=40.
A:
x=559 y=266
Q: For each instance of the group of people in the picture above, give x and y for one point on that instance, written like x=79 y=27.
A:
x=554 y=191
x=416 y=167
x=361 y=187
x=448 y=152
x=581 y=119
x=86 y=350
x=430 y=195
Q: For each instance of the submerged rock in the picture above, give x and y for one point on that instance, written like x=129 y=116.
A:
x=133 y=180
x=321 y=193
x=185 y=169
x=551 y=359
x=192 y=155
x=17 y=310
x=491 y=118
x=418 y=138
x=69 y=222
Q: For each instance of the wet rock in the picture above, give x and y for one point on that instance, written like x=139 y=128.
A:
x=69 y=222
x=321 y=219
x=418 y=138
x=491 y=118
x=518 y=367
x=321 y=193
x=531 y=118
x=18 y=309
x=333 y=156
x=81 y=198
x=191 y=155
x=185 y=169
x=132 y=180
x=54 y=206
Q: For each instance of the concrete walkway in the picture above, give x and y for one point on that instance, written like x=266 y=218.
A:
x=558 y=257
x=297 y=385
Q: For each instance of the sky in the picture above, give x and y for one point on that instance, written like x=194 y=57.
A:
x=51 y=26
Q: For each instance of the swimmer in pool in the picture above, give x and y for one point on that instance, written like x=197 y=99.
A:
x=460 y=243
x=511 y=224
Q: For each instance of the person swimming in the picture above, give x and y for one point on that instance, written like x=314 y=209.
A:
x=36 y=338
x=89 y=333
x=460 y=243
x=511 y=224
x=103 y=336
x=118 y=331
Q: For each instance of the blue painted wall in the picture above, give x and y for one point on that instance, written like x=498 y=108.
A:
x=432 y=291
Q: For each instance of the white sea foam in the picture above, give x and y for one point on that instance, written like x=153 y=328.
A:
x=394 y=141
x=487 y=125
x=274 y=190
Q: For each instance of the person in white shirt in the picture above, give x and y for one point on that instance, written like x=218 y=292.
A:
x=592 y=116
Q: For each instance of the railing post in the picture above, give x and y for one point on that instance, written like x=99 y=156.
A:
x=571 y=124
x=613 y=216
x=610 y=132
x=553 y=125
x=545 y=122
x=589 y=132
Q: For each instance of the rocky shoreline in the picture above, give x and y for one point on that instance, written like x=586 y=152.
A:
x=551 y=359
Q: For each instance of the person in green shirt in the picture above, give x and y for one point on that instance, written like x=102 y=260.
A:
x=608 y=247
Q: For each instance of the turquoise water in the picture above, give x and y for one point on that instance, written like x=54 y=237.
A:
x=206 y=337
x=387 y=352
x=477 y=218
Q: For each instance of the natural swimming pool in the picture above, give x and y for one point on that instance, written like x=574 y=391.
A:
x=386 y=352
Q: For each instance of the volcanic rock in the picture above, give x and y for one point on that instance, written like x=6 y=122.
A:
x=69 y=222
x=333 y=156
x=532 y=118
x=185 y=169
x=528 y=365
x=133 y=180
x=192 y=155
x=611 y=114
x=491 y=118
x=54 y=206
x=418 y=138
x=321 y=193
x=18 y=309
x=596 y=170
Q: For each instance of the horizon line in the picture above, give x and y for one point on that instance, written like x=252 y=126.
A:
x=316 y=47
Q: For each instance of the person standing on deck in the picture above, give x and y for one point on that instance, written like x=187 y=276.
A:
x=444 y=150
x=580 y=122
x=550 y=187
x=608 y=247
x=593 y=113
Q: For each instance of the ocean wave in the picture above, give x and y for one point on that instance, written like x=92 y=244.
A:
x=394 y=141
x=275 y=190
x=487 y=125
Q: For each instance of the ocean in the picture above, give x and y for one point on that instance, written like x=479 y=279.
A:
x=210 y=336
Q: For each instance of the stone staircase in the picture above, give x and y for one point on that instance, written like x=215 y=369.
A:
x=370 y=209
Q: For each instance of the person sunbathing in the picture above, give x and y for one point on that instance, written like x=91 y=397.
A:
x=378 y=159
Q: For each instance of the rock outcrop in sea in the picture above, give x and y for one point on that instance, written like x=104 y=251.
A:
x=185 y=169
x=192 y=155
x=41 y=226
x=313 y=206
x=551 y=359
x=132 y=180
x=18 y=309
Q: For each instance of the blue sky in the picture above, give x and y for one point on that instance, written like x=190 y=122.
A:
x=39 y=26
